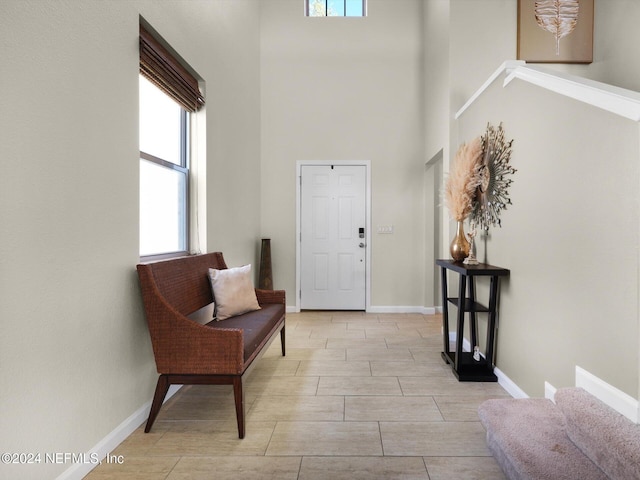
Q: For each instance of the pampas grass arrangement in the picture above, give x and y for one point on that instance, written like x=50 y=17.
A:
x=463 y=180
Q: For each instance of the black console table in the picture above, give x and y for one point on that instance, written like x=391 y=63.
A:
x=463 y=363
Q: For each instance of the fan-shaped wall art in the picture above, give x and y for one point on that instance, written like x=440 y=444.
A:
x=555 y=31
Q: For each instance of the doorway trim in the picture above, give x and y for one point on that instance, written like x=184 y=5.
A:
x=367 y=165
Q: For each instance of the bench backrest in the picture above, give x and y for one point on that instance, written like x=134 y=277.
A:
x=182 y=282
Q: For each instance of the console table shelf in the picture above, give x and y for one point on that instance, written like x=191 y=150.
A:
x=465 y=367
x=469 y=305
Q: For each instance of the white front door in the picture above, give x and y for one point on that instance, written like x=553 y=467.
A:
x=332 y=237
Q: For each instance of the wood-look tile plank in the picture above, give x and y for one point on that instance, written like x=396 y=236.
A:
x=378 y=353
x=447 y=385
x=332 y=368
x=456 y=408
x=434 y=439
x=297 y=408
x=204 y=438
x=326 y=438
x=134 y=468
x=391 y=409
x=234 y=468
x=463 y=468
x=409 y=369
x=363 y=468
x=359 y=386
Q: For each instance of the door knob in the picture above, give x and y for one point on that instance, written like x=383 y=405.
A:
x=362 y=245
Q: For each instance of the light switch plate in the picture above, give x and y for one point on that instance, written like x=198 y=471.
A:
x=385 y=228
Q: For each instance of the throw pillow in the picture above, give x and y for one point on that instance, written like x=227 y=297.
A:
x=233 y=291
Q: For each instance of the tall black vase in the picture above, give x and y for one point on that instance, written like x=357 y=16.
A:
x=265 y=280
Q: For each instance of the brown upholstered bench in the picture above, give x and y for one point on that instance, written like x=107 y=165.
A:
x=190 y=347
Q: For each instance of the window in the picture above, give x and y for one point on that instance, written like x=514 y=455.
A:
x=335 y=8
x=169 y=94
x=164 y=173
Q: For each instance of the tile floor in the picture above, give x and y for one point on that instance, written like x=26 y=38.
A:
x=358 y=396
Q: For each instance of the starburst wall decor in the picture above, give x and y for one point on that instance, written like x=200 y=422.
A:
x=493 y=171
x=477 y=187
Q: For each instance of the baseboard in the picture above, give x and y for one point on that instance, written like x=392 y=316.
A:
x=550 y=392
x=509 y=385
x=387 y=309
x=466 y=344
x=109 y=443
x=608 y=394
x=401 y=309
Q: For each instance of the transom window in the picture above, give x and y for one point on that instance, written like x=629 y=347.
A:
x=335 y=8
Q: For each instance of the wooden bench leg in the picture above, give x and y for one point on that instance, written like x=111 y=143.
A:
x=162 y=387
x=238 y=394
x=282 y=339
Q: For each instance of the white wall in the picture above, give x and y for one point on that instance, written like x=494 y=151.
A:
x=436 y=33
x=75 y=356
x=347 y=89
x=570 y=239
x=482 y=36
x=615 y=49
x=465 y=41
x=566 y=302
x=222 y=37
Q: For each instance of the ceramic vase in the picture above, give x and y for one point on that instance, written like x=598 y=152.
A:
x=460 y=246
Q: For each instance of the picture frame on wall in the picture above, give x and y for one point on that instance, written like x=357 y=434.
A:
x=555 y=31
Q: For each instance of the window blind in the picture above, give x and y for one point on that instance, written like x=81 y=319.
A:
x=168 y=74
